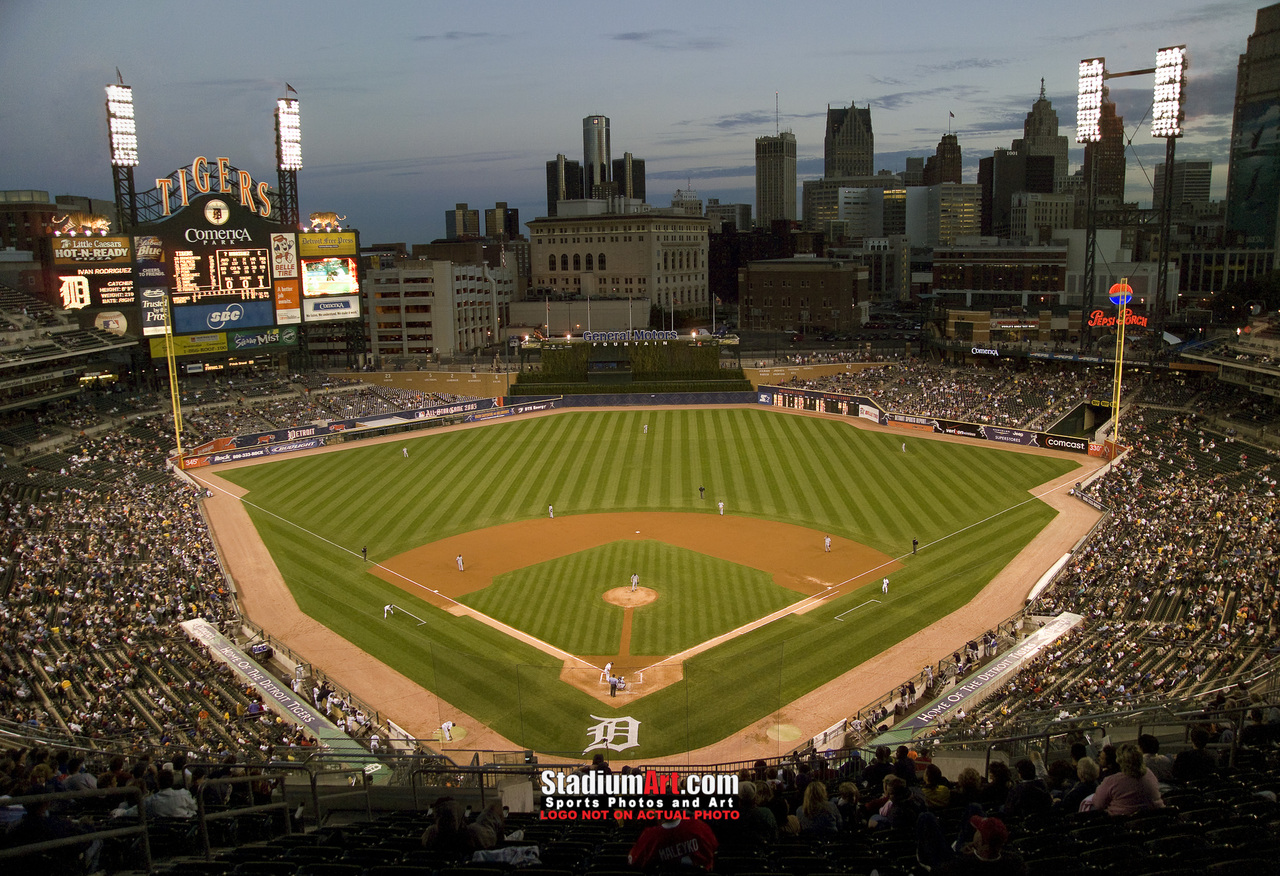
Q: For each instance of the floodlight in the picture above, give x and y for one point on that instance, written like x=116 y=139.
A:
x=1089 y=100
x=1170 y=91
x=121 y=126
x=288 y=135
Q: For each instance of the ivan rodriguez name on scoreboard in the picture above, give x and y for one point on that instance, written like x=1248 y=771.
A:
x=639 y=790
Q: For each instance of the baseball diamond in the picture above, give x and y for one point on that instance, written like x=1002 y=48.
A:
x=739 y=647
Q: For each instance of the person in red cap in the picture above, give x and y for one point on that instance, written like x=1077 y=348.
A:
x=987 y=853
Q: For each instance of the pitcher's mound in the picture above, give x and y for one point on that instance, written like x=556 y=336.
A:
x=628 y=598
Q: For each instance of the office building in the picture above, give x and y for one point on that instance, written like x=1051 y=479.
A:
x=1107 y=156
x=661 y=258
x=501 y=222
x=1191 y=181
x=1040 y=137
x=628 y=177
x=564 y=182
x=596 y=162
x=800 y=294
x=461 y=223
x=430 y=307
x=723 y=216
x=848 y=147
x=775 y=179
x=944 y=166
x=1253 y=174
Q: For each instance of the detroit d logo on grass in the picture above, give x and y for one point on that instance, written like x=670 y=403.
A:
x=617 y=734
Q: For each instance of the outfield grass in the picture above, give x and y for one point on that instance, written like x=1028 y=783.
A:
x=314 y=513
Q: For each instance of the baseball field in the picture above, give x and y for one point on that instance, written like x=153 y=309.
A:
x=738 y=611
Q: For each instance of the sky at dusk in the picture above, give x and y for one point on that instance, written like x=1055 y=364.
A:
x=410 y=107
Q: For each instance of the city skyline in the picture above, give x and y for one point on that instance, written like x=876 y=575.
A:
x=408 y=109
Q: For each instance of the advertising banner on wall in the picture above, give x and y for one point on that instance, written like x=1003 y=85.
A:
x=229 y=315
x=191 y=345
x=327 y=243
x=94 y=271
x=263 y=339
x=288 y=302
x=329 y=309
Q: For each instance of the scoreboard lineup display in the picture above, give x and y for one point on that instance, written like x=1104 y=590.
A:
x=242 y=274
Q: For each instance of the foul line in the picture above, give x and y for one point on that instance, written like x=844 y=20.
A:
x=840 y=616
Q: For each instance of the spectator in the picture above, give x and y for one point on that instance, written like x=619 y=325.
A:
x=676 y=842
x=817 y=814
x=1133 y=789
x=1087 y=775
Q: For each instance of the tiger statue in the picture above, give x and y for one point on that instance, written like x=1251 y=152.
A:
x=81 y=223
x=326 y=220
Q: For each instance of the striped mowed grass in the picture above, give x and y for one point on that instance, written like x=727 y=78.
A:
x=562 y=601
x=967 y=505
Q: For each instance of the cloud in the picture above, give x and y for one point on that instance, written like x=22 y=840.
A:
x=966 y=64
x=455 y=36
x=668 y=40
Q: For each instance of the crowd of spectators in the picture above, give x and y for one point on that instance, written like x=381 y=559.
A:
x=1180 y=588
x=1000 y=395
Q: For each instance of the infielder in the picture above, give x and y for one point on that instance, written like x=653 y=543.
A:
x=721 y=504
x=461 y=569
x=551 y=512
x=826 y=544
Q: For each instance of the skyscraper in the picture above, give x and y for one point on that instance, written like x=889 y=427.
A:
x=1253 y=174
x=628 y=176
x=595 y=156
x=564 y=182
x=1191 y=181
x=849 y=147
x=1040 y=137
x=944 y=165
x=775 y=178
x=1108 y=153
x=461 y=223
x=501 y=222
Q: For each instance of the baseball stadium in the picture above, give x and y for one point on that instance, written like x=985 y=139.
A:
x=431 y=605
x=279 y=600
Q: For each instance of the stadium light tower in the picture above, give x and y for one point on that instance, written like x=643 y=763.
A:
x=1166 y=122
x=288 y=155
x=123 y=131
x=1089 y=130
